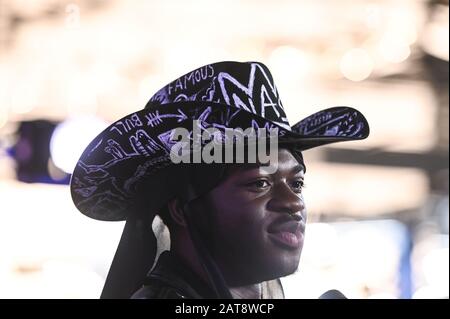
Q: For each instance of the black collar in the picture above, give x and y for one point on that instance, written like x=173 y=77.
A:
x=172 y=271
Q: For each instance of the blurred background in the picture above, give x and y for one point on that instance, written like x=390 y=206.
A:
x=379 y=210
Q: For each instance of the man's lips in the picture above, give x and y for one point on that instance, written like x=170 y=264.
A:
x=287 y=230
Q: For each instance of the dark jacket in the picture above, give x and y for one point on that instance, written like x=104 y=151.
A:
x=172 y=279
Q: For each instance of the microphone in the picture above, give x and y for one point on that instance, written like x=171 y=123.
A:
x=332 y=294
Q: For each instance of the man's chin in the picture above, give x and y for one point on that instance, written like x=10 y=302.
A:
x=284 y=266
x=274 y=271
x=272 y=264
x=278 y=270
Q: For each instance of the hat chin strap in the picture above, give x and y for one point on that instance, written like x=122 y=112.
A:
x=211 y=269
x=133 y=258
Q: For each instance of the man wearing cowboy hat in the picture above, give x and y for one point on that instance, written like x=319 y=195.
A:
x=235 y=226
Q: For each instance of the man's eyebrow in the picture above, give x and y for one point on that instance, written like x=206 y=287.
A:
x=295 y=170
x=298 y=168
x=249 y=166
x=242 y=167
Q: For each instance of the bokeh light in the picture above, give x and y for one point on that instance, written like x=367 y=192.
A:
x=356 y=64
x=71 y=137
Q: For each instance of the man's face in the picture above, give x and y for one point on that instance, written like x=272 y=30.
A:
x=257 y=221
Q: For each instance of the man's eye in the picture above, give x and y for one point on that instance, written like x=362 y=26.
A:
x=261 y=183
x=298 y=185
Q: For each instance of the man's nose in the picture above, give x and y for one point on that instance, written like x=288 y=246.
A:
x=285 y=200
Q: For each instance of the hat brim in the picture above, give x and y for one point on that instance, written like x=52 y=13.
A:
x=110 y=172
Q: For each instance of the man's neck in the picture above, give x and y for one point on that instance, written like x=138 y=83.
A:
x=184 y=249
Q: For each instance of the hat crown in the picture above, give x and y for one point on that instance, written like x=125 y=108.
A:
x=243 y=85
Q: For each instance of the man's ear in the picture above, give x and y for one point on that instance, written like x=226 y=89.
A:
x=176 y=212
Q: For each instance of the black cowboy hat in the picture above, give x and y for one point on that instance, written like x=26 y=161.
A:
x=112 y=171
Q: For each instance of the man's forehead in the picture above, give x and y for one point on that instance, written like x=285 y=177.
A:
x=283 y=161
x=292 y=167
x=281 y=168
